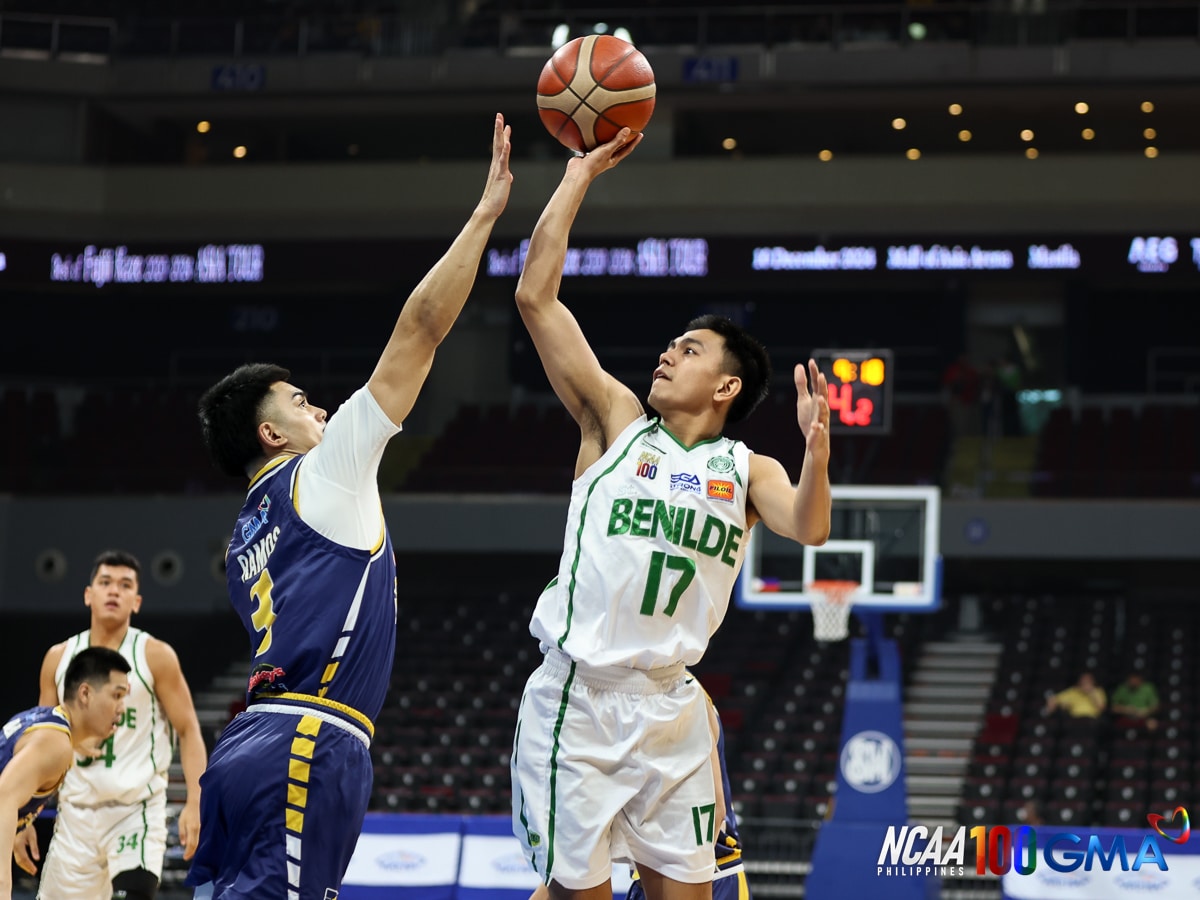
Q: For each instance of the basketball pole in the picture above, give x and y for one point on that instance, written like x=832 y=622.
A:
x=871 y=792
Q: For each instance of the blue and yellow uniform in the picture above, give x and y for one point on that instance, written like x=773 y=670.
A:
x=32 y=720
x=287 y=786
x=729 y=876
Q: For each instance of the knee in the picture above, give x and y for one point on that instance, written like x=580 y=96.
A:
x=135 y=884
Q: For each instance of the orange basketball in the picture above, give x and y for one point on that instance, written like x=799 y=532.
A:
x=591 y=88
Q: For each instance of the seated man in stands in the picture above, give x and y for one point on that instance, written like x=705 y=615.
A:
x=1082 y=700
x=1135 y=702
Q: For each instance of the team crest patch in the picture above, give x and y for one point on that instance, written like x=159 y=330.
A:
x=721 y=464
x=686 y=482
x=721 y=490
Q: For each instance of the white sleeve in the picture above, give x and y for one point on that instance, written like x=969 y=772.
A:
x=338 y=490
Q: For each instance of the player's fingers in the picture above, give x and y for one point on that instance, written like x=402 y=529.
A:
x=21 y=853
x=814 y=374
x=801 y=378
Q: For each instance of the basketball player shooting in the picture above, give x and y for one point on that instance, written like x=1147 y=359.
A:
x=612 y=758
x=312 y=575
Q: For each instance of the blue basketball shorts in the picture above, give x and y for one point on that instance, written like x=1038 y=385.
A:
x=281 y=805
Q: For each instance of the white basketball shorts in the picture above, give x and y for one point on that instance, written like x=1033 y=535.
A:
x=613 y=765
x=92 y=845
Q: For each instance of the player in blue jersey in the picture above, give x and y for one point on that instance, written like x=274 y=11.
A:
x=312 y=575
x=38 y=746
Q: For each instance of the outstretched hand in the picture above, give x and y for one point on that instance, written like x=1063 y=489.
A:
x=606 y=156
x=495 y=193
x=812 y=409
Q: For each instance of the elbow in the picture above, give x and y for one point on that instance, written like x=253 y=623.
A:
x=526 y=297
x=817 y=538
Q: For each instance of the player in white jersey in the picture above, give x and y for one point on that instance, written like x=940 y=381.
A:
x=612 y=758
x=110 y=834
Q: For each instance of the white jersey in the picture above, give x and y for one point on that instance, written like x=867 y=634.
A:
x=656 y=534
x=133 y=763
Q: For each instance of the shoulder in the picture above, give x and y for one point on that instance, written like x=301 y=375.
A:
x=161 y=657
x=52 y=658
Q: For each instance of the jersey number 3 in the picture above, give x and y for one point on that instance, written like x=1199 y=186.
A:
x=686 y=568
x=264 y=616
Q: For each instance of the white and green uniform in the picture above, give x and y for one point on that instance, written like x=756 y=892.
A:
x=112 y=809
x=612 y=755
x=655 y=537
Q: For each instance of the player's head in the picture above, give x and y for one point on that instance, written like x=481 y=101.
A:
x=112 y=592
x=253 y=413
x=713 y=362
x=94 y=689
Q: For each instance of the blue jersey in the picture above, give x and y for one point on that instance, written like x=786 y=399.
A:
x=321 y=616
x=14 y=728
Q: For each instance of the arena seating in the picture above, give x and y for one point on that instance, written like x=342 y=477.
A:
x=1083 y=771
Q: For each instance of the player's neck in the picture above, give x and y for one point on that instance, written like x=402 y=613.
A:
x=108 y=635
x=690 y=430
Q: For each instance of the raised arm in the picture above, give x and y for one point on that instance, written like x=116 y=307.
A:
x=598 y=402
x=802 y=512
x=435 y=303
x=173 y=693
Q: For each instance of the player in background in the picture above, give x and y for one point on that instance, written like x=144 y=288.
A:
x=612 y=753
x=311 y=573
x=38 y=747
x=110 y=834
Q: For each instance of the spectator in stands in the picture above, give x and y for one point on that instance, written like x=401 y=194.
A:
x=1082 y=700
x=1008 y=383
x=312 y=574
x=613 y=751
x=1135 y=702
x=961 y=384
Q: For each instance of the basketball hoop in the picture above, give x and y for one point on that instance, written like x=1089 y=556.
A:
x=831 y=605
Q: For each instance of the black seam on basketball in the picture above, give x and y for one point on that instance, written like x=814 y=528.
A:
x=600 y=81
x=566 y=81
x=604 y=115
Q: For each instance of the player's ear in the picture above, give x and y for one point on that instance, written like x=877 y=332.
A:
x=270 y=437
x=729 y=387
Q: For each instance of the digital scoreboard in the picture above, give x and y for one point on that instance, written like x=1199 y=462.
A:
x=860 y=389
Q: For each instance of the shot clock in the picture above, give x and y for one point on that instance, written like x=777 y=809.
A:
x=860 y=389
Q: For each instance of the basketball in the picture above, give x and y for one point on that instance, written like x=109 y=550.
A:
x=591 y=88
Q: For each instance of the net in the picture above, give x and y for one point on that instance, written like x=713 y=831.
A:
x=831 y=605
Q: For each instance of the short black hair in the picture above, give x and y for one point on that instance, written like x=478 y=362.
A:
x=116 y=558
x=230 y=413
x=746 y=358
x=94 y=665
